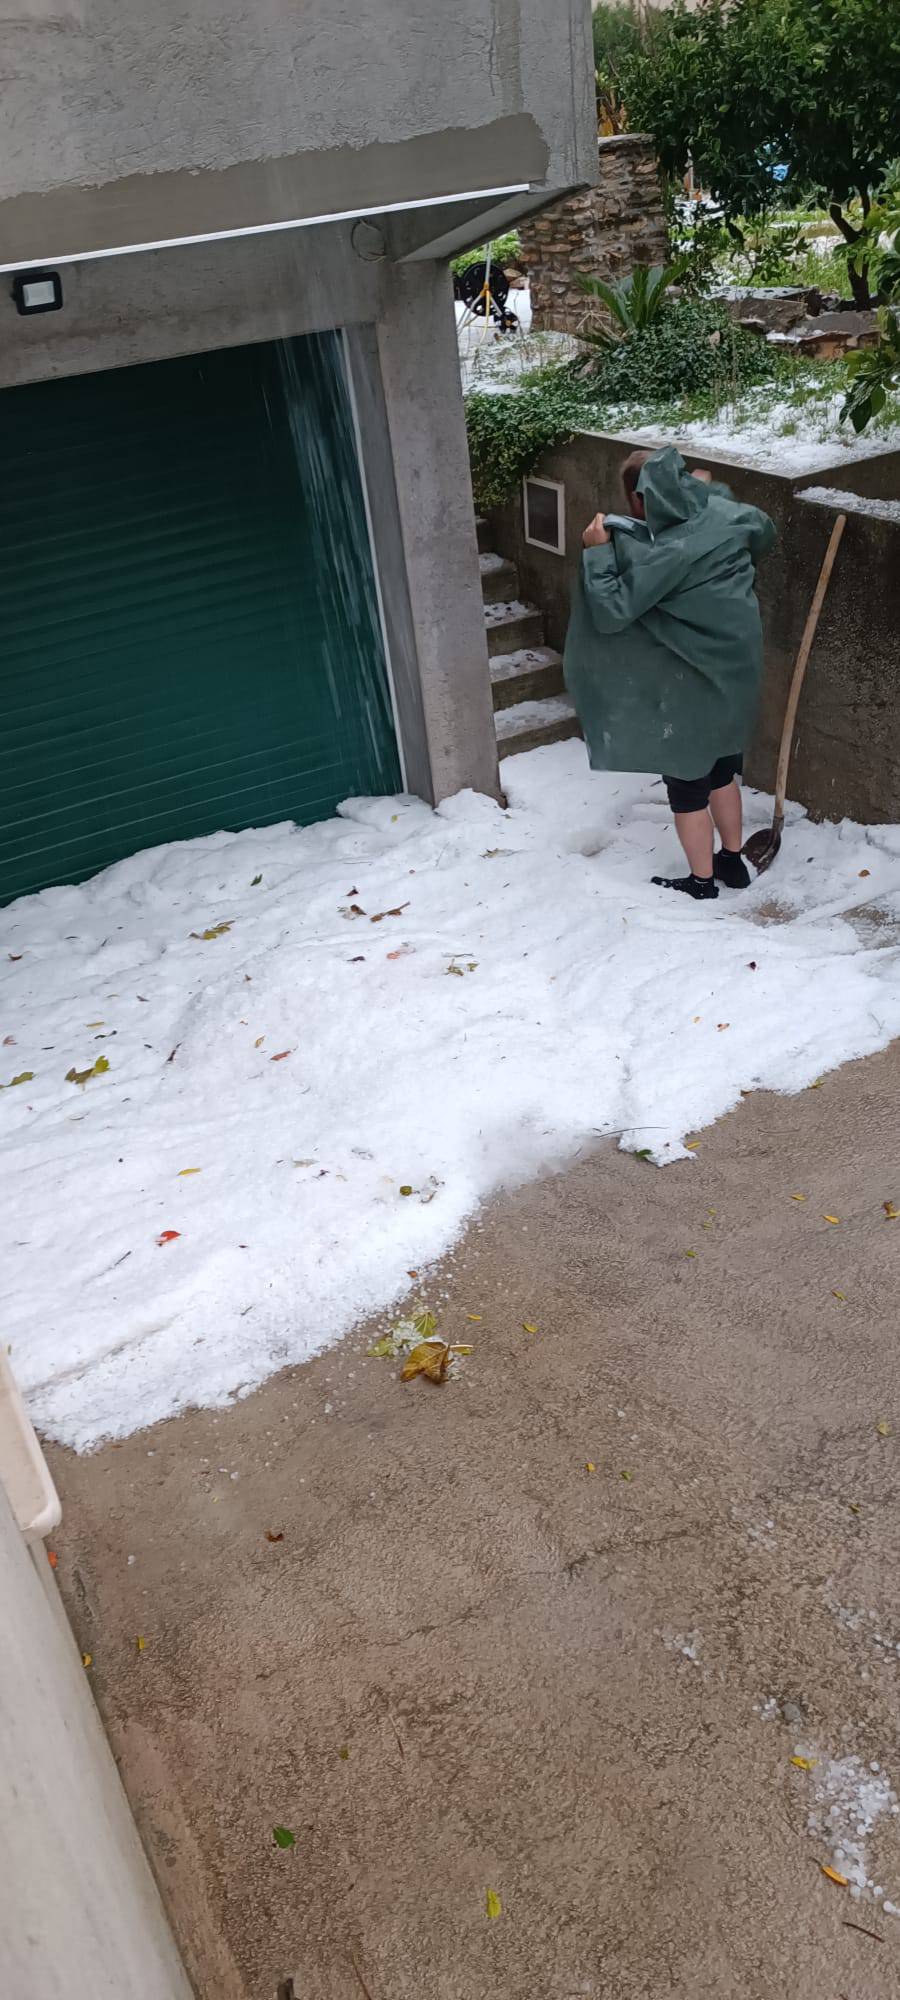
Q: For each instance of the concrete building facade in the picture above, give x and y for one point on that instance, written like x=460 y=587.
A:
x=279 y=189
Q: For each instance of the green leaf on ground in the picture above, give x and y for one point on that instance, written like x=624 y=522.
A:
x=83 y=1076
x=282 y=1836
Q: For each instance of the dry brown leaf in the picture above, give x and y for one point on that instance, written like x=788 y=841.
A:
x=431 y=1358
x=381 y=914
x=863 y=873
x=891 y=1212
x=271 y=1537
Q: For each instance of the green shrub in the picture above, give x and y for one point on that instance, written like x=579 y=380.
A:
x=695 y=351
x=508 y=434
x=632 y=304
x=694 y=348
x=504 y=250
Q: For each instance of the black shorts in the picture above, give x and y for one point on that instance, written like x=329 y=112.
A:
x=691 y=795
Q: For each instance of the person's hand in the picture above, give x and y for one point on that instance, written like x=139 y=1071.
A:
x=700 y=472
x=596 y=534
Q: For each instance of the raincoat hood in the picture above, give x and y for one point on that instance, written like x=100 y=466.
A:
x=670 y=493
x=664 y=650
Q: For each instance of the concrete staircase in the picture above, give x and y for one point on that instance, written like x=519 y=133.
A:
x=531 y=706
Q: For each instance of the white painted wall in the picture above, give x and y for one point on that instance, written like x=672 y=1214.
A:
x=80 y=1914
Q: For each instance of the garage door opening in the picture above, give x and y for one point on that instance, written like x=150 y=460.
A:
x=191 y=635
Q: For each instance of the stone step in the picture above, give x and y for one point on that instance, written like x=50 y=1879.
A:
x=499 y=579
x=530 y=724
x=529 y=675
x=483 y=531
x=511 y=625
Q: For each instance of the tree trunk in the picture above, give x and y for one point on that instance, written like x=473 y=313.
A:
x=859 y=280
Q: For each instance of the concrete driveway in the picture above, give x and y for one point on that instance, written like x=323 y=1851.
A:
x=408 y=1625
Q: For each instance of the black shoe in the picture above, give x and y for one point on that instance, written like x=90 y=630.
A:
x=730 y=868
x=701 y=887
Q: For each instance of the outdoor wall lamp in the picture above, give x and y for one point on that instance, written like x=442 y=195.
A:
x=37 y=291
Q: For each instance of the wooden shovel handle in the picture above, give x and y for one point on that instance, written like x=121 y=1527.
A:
x=809 y=633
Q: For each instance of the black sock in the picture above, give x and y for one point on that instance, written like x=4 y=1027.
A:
x=701 y=887
x=729 y=867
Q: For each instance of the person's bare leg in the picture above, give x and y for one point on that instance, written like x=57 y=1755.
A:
x=695 y=831
x=725 y=806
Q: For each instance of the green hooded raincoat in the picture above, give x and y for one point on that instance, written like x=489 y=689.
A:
x=663 y=655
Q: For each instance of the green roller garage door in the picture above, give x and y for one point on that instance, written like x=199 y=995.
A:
x=189 y=634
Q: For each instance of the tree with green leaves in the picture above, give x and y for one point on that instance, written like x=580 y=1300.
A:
x=741 y=88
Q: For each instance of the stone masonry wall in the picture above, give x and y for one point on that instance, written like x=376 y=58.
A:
x=605 y=231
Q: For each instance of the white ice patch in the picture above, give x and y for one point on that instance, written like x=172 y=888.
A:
x=532 y=993
x=850 y=1799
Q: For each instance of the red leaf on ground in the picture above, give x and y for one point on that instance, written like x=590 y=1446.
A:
x=273 y=1538
x=281 y=1056
x=52 y=1558
x=168 y=1236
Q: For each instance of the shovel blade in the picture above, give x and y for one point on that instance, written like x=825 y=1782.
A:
x=761 y=848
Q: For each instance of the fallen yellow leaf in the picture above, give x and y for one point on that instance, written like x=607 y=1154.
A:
x=831 y=1218
x=183 y=1172
x=95 y=1024
x=883 y=1428
x=691 y=1145
x=461 y=1349
x=590 y=1466
x=818 y=1083
x=475 y=1317
x=528 y=1327
x=493 y=1904
x=430 y=1358
x=891 y=1212
x=833 y=1875
x=690 y=1253
x=798 y=1197
x=842 y=1296
x=805 y=1763
x=140 y=1643
x=87 y=1659
x=854 y=1506
x=626 y=1475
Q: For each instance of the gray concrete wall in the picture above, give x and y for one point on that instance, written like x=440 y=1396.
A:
x=79 y=1910
x=847 y=746
x=135 y=121
x=424 y=406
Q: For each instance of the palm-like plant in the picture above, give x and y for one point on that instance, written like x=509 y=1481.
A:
x=633 y=303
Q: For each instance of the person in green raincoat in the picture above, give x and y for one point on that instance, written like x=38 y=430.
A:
x=663 y=655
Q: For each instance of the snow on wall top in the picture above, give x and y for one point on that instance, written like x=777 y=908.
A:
x=851 y=503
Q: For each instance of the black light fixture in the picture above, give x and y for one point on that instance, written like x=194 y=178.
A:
x=37 y=291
